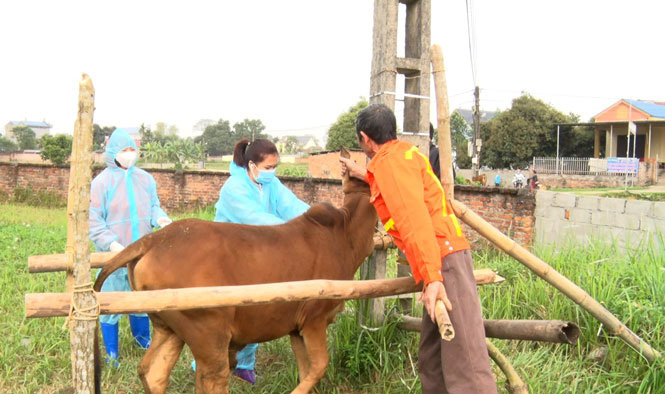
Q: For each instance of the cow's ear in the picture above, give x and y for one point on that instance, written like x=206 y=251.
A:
x=345 y=153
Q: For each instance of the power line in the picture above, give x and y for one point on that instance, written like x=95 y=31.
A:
x=471 y=32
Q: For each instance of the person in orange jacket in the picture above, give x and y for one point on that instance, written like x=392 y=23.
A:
x=411 y=204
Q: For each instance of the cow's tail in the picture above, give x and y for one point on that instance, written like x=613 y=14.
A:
x=131 y=253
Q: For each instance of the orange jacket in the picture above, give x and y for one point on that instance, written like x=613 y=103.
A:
x=411 y=204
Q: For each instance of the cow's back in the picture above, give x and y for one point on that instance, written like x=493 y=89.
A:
x=196 y=253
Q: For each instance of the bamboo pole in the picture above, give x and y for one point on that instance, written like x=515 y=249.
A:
x=515 y=383
x=555 y=331
x=445 y=157
x=551 y=276
x=58 y=262
x=57 y=304
x=83 y=318
x=443 y=121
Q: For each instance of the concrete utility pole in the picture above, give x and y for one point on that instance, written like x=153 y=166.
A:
x=415 y=67
x=477 y=141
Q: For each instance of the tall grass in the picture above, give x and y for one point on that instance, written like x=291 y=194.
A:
x=34 y=353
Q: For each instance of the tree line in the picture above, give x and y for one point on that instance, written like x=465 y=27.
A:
x=510 y=139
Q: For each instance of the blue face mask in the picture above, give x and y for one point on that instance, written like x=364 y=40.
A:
x=265 y=176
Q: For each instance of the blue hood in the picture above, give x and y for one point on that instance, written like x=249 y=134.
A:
x=119 y=140
x=238 y=171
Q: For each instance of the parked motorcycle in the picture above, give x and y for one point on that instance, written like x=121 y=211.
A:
x=519 y=181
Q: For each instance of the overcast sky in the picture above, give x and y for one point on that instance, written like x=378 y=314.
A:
x=297 y=64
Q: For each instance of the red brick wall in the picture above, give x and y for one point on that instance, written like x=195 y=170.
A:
x=327 y=165
x=510 y=210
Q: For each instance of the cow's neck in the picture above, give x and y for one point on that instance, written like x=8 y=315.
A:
x=360 y=219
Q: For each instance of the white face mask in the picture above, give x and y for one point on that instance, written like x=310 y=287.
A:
x=127 y=158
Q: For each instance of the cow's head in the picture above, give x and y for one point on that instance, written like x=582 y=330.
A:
x=351 y=184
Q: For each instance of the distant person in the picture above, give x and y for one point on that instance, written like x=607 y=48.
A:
x=123 y=207
x=434 y=160
x=253 y=195
x=497 y=179
x=533 y=181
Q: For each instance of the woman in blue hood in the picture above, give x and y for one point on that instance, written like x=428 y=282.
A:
x=123 y=208
x=253 y=195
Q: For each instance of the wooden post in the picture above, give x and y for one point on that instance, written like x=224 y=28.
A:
x=443 y=122
x=83 y=318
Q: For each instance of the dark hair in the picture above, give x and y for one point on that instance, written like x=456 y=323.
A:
x=378 y=122
x=256 y=151
x=431 y=131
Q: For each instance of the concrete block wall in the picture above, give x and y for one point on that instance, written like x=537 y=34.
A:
x=629 y=224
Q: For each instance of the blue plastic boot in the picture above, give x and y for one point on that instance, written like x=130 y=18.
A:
x=110 y=335
x=140 y=327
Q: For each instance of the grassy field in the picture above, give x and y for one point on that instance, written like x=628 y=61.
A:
x=35 y=353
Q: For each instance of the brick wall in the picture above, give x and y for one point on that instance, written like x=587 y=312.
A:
x=327 y=165
x=510 y=210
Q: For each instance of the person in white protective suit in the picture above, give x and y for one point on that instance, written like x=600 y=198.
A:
x=123 y=208
x=254 y=195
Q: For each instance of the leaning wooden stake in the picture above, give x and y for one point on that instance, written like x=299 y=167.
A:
x=445 y=157
x=515 y=383
x=443 y=121
x=83 y=316
x=549 y=274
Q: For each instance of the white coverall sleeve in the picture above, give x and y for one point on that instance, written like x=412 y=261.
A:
x=100 y=234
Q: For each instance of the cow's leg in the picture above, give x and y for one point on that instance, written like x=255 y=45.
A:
x=211 y=352
x=158 y=361
x=314 y=336
x=298 y=346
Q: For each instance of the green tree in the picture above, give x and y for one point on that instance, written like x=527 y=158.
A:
x=526 y=130
x=182 y=152
x=217 y=139
x=290 y=145
x=460 y=135
x=99 y=135
x=153 y=152
x=343 y=131
x=146 y=134
x=57 y=148
x=250 y=129
x=25 y=137
x=7 y=145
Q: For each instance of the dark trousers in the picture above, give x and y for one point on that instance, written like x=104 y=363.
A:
x=461 y=365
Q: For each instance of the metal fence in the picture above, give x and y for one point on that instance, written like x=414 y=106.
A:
x=574 y=166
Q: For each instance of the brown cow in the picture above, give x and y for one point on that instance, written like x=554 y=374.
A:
x=324 y=243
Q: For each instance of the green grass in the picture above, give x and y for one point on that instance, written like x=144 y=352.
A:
x=597 y=189
x=636 y=196
x=34 y=353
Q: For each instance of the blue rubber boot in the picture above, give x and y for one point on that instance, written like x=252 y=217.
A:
x=110 y=335
x=140 y=326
